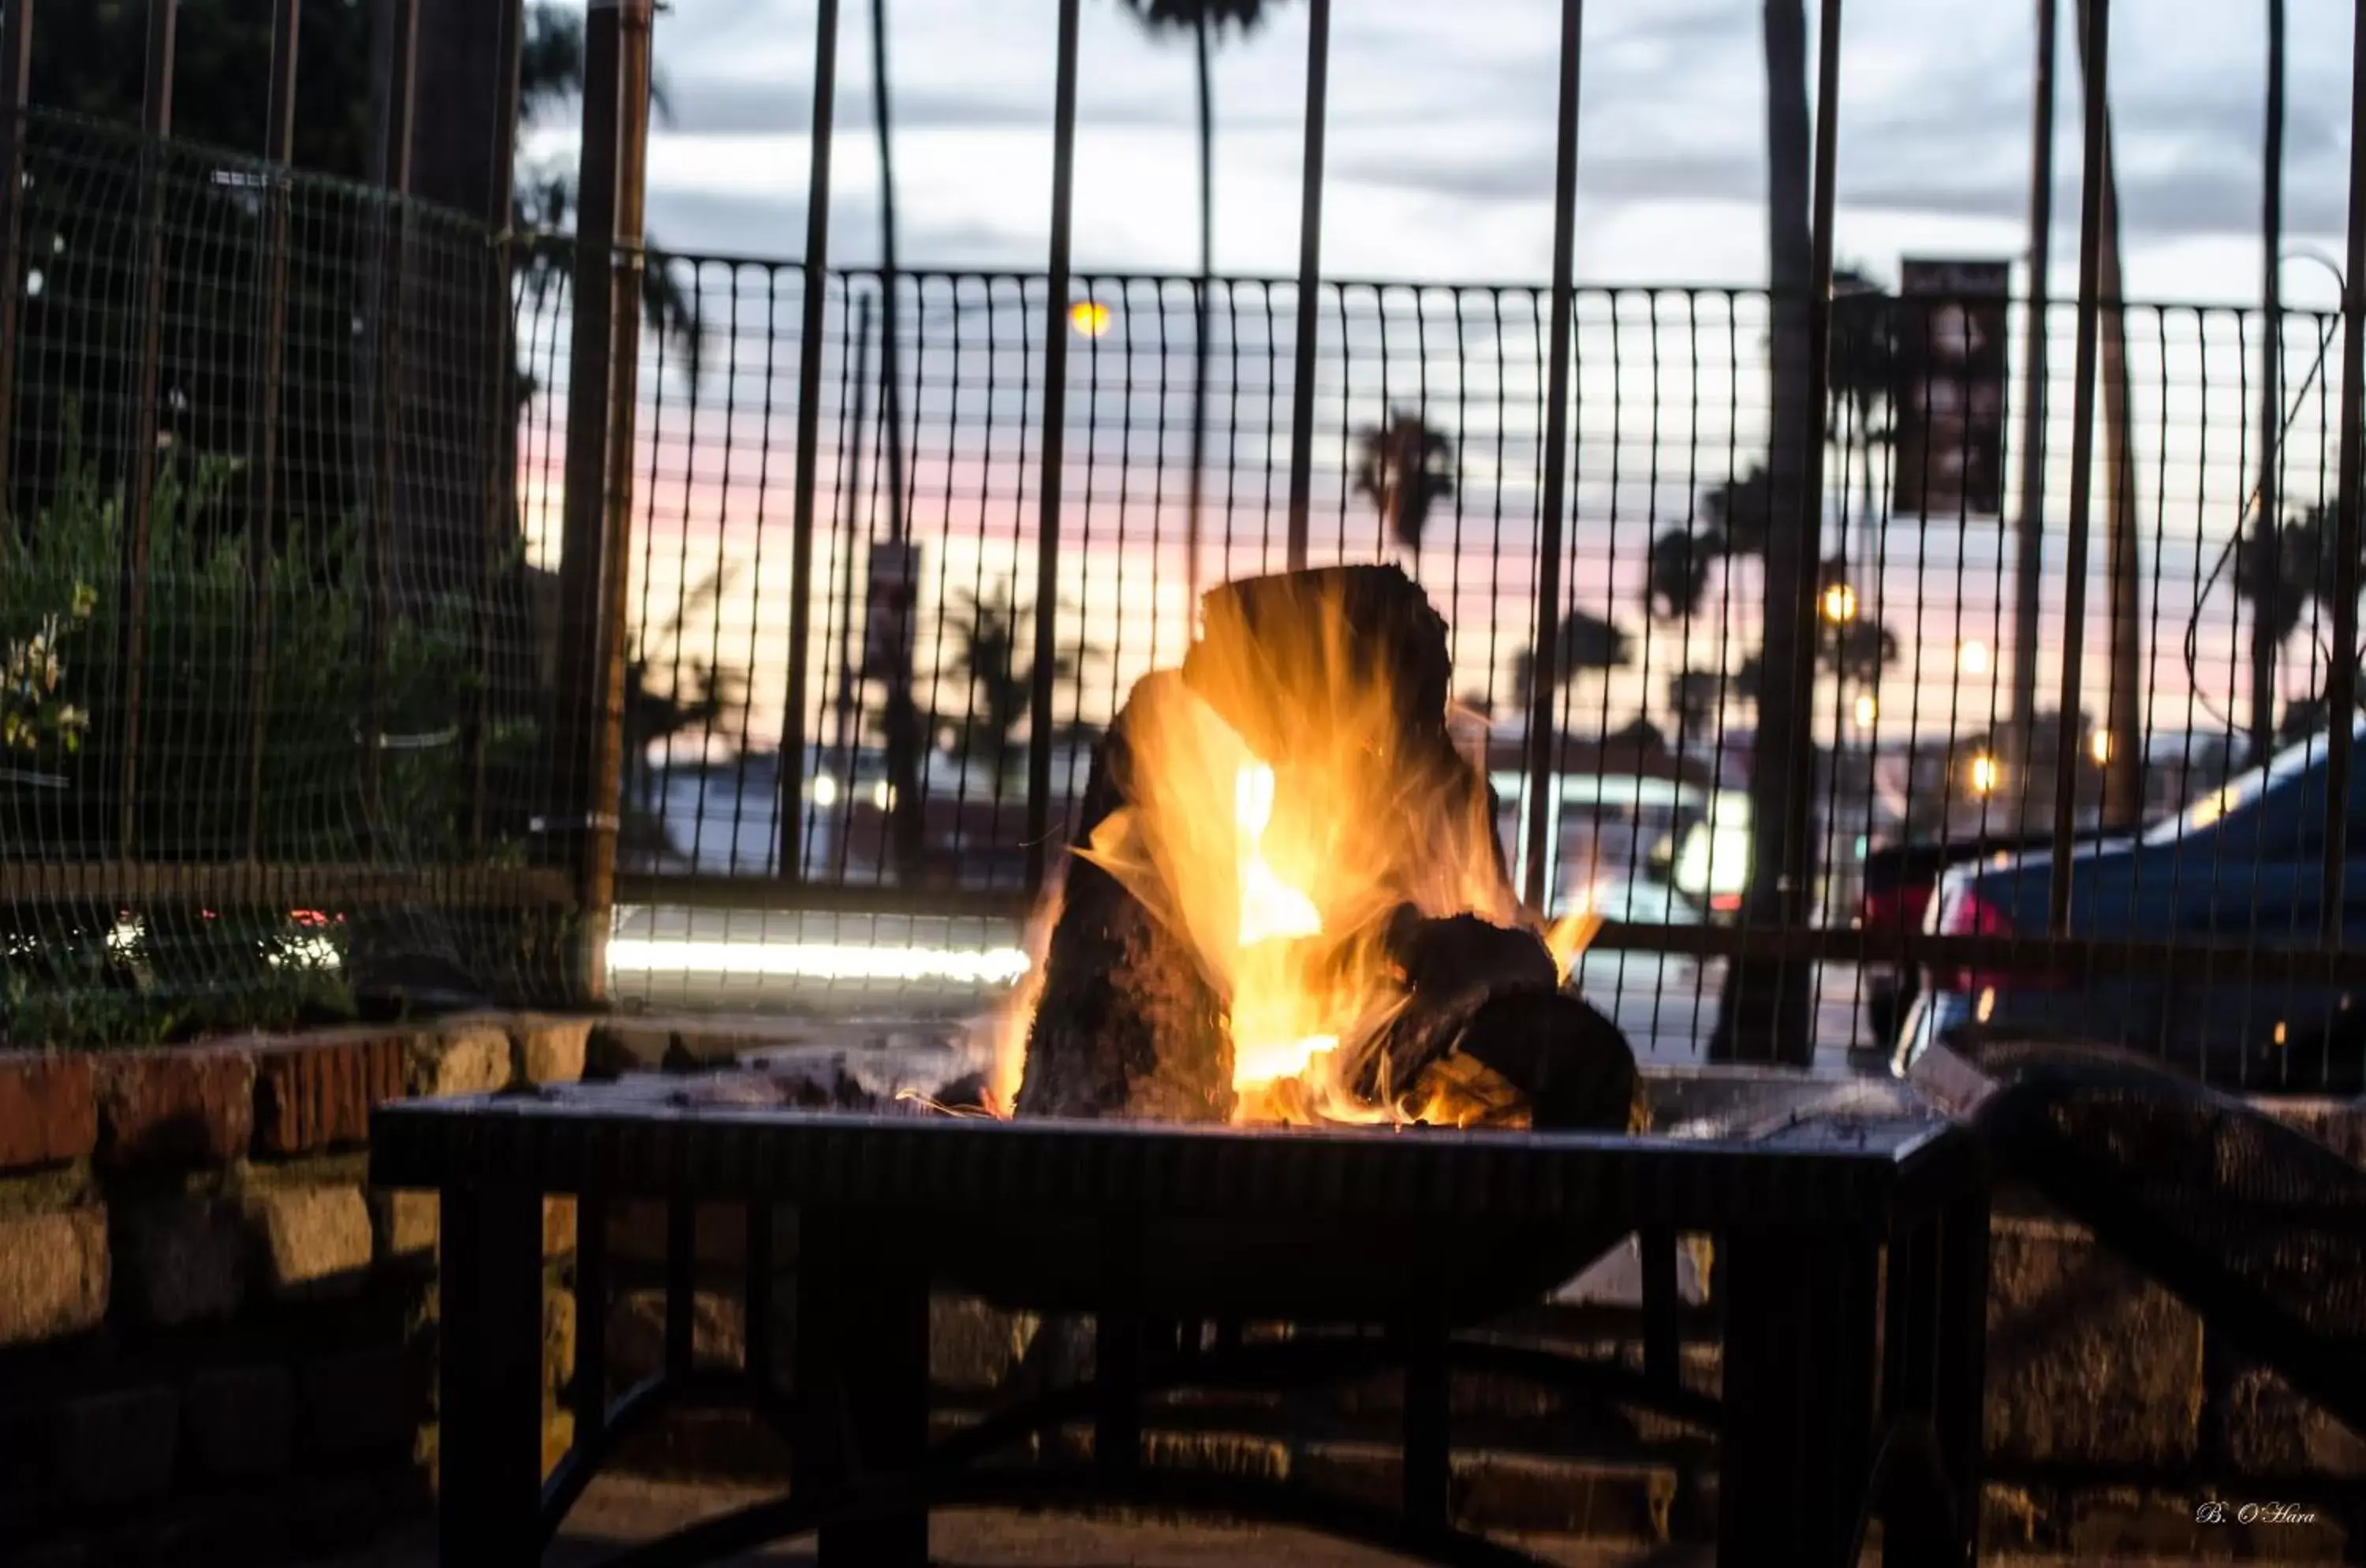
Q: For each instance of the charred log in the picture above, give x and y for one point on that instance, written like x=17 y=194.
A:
x=1126 y=1024
x=1486 y=1031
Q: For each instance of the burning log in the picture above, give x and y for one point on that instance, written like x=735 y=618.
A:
x=1288 y=882
x=1127 y=1023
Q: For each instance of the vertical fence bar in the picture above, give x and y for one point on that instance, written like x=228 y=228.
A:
x=1055 y=420
x=378 y=522
x=155 y=124
x=1799 y=793
x=2341 y=681
x=2095 y=18
x=1310 y=280
x=1544 y=680
x=584 y=824
x=791 y=831
x=501 y=412
x=2263 y=544
x=2029 y=558
x=636 y=22
x=279 y=149
x=15 y=82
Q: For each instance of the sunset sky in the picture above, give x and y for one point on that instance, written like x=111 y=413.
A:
x=1440 y=169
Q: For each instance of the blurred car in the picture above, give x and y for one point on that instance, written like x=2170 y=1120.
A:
x=2242 y=866
x=1646 y=994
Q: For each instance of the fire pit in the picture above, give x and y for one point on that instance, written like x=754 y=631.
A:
x=1825 y=1232
x=1294 y=1052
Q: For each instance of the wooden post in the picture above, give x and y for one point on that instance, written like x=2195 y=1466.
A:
x=15 y=81
x=593 y=576
x=280 y=148
x=155 y=125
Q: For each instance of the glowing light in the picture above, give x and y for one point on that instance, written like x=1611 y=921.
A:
x=818 y=961
x=1867 y=710
x=825 y=790
x=1089 y=317
x=1972 y=658
x=882 y=795
x=2099 y=746
x=1840 y=602
x=1986 y=773
x=1987 y=1008
x=2214 y=806
x=1270 y=908
x=1264 y=1063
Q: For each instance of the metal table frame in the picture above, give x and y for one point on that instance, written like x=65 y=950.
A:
x=1852 y=1262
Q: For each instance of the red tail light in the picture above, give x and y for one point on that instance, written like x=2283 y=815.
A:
x=1725 y=902
x=1895 y=909
x=1971 y=915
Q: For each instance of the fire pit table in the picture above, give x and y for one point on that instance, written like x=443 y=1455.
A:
x=1851 y=1261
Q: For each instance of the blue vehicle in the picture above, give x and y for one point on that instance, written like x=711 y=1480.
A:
x=2243 y=866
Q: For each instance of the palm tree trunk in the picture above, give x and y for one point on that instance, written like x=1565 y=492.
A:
x=1200 y=303
x=903 y=724
x=2267 y=522
x=2124 y=566
x=1763 y=1012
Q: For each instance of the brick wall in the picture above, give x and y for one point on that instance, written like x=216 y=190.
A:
x=215 y=1340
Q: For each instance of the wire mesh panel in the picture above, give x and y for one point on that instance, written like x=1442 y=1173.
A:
x=271 y=721
x=1428 y=412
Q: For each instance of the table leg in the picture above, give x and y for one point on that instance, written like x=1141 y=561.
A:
x=861 y=1379
x=1799 y=1396
x=1962 y=1313
x=490 y=1384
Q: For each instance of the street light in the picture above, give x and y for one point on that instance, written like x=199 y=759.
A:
x=1972 y=658
x=1089 y=317
x=1986 y=773
x=1839 y=603
x=1867 y=710
x=2099 y=746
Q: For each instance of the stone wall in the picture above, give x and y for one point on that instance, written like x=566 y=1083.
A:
x=216 y=1341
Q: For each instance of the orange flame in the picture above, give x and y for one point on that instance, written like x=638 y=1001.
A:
x=1281 y=874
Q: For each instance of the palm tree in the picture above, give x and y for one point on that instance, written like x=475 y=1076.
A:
x=903 y=726
x=996 y=689
x=1205 y=21
x=1404 y=468
x=2282 y=573
x=701 y=697
x=1863 y=369
x=2123 y=772
x=1694 y=697
x=1583 y=644
x=1764 y=1013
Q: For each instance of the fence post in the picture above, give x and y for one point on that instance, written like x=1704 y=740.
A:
x=2029 y=558
x=2094 y=72
x=279 y=149
x=2341 y=680
x=1799 y=814
x=155 y=125
x=791 y=825
x=592 y=564
x=394 y=141
x=1310 y=280
x=2264 y=543
x=15 y=82
x=500 y=420
x=1543 y=684
x=1055 y=423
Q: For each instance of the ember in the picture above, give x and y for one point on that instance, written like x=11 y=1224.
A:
x=1287 y=902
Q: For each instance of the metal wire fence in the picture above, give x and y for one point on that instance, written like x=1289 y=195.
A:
x=271 y=716
x=924 y=600
x=289 y=461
